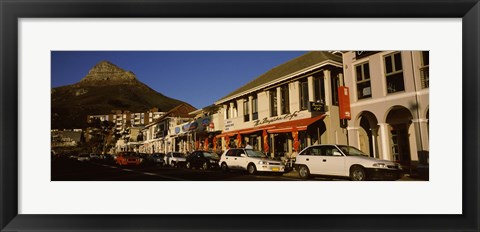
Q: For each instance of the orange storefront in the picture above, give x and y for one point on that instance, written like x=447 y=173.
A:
x=275 y=139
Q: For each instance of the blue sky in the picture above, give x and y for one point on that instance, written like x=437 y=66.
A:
x=197 y=77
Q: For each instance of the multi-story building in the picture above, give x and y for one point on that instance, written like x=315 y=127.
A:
x=157 y=134
x=198 y=133
x=66 y=138
x=288 y=108
x=389 y=104
x=125 y=125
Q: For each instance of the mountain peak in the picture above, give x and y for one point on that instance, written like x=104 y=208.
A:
x=106 y=72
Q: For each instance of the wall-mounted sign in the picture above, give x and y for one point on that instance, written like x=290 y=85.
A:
x=193 y=126
x=275 y=119
x=229 y=125
x=344 y=103
x=316 y=107
x=205 y=122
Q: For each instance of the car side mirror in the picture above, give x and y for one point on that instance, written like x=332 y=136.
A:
x=243 y=155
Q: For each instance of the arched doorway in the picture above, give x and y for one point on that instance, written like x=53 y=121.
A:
x=400 y=119
x=368 y=133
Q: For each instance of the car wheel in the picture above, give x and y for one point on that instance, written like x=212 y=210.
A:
x=205 y=166
x=304 y=172
x=224 y=167
x=251 y=169
x=188 y=165
x=358 y=174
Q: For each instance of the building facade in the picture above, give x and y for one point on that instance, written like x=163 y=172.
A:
x=389 y=104
x=158 y=136
x=288 y=108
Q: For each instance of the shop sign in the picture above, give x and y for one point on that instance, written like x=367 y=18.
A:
x=344 y=103
x=229 y=125
x=316 y=107
x=205 y=122
x=192 y=126
x=275 y=119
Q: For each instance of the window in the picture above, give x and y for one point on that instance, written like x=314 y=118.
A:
x=273 y=103
x=246 y=111
x=234 y=110
x=424 y=70
x=364 y=89
x=285 y=101
x=335 y=85
x=255 y=108
x=394 y=73
x=227 y=112
x=304 y=95
x=318 y=83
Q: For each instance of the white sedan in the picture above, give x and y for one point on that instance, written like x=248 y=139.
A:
x=250 y=160
x=344 y=161
x=174 y=159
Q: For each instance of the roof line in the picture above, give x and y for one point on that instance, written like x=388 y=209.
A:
x=319 y=65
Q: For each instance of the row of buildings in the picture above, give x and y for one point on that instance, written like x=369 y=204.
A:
x=302 y=102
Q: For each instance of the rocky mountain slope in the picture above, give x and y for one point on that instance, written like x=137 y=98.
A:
x=106 y=87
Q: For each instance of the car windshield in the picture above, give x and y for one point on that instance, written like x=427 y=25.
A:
x=210 y=155
x=128 y=154
x=351 y=151
x=253 y=153
x=177 y=154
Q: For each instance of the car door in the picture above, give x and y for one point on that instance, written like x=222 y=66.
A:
x=198 y=159
x=231 y=158
x=242 y=161
x=332 y=161
x=168 y=157
x=311 y=157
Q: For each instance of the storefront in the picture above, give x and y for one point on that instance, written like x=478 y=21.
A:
x=287 y=108
x=280 y=137
x=199 y=134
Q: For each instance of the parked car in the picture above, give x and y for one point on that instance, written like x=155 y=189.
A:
x=204 y=159
x=83 y=157
x=250 y=160
x=156 y=158
x=94 y=156
x=128 y=158
x=345 y=162
x=174 y=159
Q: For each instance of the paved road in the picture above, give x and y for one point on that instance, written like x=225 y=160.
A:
x=101 y=170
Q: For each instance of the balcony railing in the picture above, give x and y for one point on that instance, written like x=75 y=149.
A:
x=424 y=75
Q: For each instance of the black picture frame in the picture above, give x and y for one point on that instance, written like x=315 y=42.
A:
x=11 y=11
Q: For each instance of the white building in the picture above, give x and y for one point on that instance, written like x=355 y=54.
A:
x=389 y=104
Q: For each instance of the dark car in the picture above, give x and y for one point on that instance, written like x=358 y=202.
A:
x=156 y=159
x=204 y=159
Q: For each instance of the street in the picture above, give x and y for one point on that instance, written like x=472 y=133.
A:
x=65 y=169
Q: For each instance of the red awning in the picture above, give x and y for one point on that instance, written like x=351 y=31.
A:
x=301 y=124
x=282 y=127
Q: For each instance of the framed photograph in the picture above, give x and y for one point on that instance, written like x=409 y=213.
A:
x=37 y=35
